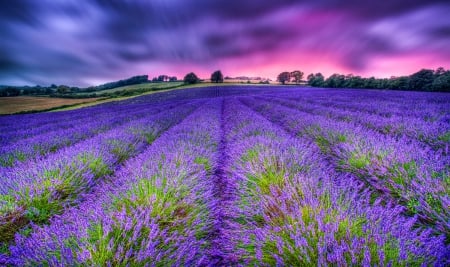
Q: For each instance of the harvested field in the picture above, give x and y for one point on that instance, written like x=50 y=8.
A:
x=10 y=105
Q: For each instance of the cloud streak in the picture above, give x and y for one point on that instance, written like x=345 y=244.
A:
x=87 y=42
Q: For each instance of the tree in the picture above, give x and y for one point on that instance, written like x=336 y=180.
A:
x=63 y=89
x=439 y=71
x=191 y=78
x=12 y=91
x=316 y=80
x=297 y=76
x=421 y=80
x=441 y=82
x=163 y=78
x=49 y=91
x=335 y=81
x=217 y=77
x=354 y=81
x=399 y=83
x=371 y=83
x=284 y=77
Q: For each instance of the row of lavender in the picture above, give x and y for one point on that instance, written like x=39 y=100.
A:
x=156 y=210
x=257 y=180
x=37 y=123
x=34 y=191
x=293 y=209
x=397 y=168
x=424 y=119
x=30 y=142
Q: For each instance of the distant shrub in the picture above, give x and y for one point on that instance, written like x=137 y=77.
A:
x=191 y=78
x=217 y=77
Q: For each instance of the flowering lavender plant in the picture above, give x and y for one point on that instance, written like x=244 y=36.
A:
x=230 y=176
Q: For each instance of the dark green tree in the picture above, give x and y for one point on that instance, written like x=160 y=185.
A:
x=63 y=89
x=354 y=81
x=191 y=78
x=398 y=83
x=442 y=82
x=421 y=80
x=163 y=78
x=217 y=77
x=335 y=81
x=12 y=91
x=316 y=80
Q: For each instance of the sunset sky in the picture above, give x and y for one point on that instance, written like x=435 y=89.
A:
x=80 y=42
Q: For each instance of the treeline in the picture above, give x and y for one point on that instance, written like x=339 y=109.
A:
x=424 y=80
x=36 y=90
x=164 y=78
x=130 y=81
x=68 y=91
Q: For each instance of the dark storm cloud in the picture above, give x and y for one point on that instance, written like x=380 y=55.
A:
x=441 y=32
x=83 y=42
x=246 y=10
x=376 y=9
x=19 y=11
x=249 y=40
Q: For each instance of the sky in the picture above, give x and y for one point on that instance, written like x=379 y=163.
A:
x=82 y=43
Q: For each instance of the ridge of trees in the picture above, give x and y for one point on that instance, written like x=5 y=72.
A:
x=130 y=81
x=424 y=80
x=164 y=78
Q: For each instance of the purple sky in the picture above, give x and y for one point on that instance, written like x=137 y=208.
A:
x=80 y=42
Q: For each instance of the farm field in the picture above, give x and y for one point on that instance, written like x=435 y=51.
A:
x=9 y=105
x=131 y=88
x=20 y=104
x=230 y=176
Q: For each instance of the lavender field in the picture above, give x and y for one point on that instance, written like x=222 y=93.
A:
x=230 y=176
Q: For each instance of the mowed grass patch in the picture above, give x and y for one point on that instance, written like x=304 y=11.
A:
x=11 y=105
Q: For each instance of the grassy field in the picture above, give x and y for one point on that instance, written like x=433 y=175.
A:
x=154 y=86
x=10 y=105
